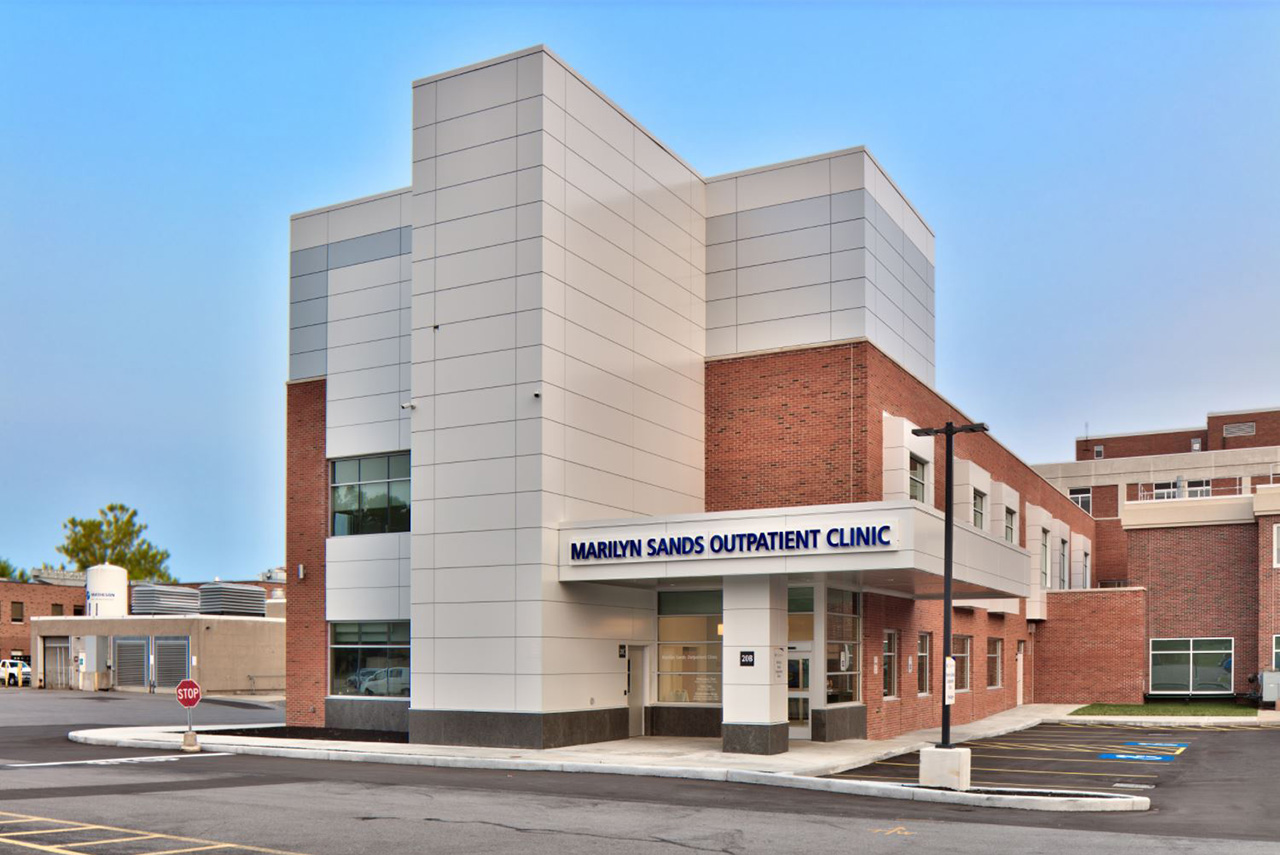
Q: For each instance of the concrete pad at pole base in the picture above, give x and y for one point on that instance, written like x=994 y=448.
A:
x=945 y=767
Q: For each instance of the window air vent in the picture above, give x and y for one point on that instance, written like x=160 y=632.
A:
x=1240 y=429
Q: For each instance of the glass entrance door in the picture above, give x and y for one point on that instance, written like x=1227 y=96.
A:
x=798 y=695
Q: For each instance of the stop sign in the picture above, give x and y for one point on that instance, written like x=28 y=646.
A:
x=188 y=693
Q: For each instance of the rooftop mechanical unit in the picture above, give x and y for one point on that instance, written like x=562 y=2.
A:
x=226 y=598
x=164 y=600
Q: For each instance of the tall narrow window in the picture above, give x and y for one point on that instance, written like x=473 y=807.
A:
x=1097 y=452
x=1011 y=525
x=844 y=646
x=16 y=612
x=960 y=649
x=916 y=475
x=1044 y=557
x=979 y=509
x=1195 y=444
x=1064 y=566
x=1275 y=545
x=923 y=645
x=890 y=663
x=995 y=663
x=1084 y=572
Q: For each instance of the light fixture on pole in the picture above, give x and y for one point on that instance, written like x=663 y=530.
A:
x=949 y=431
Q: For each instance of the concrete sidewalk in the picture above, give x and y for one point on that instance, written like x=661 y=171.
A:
x=647 y=755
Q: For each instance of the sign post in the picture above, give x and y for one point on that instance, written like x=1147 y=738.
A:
x=188 y=693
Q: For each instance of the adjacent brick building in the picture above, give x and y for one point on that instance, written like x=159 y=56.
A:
x=21 y=601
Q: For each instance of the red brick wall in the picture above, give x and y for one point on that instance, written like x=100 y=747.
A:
x=1092 y=647
x=1201 y=581
x=306 y=526
x=805 y=427
x=1268 y=590
x=780 y=430
x=1140 y=445
x=37 y=601
x=1267 y=430
x=911 y=711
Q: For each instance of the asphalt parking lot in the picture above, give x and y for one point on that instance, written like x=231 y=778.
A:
x=1095 y=757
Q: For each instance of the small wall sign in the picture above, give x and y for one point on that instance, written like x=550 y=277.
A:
x=747 y=658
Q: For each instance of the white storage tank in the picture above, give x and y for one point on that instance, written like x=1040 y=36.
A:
x=106 y=589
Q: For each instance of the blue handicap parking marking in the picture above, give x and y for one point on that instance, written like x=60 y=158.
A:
x=1159 y=758
x=1161 y=744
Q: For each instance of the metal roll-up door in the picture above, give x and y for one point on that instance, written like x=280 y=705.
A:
x=131 y=663
x=172 y=659
x=57 y=662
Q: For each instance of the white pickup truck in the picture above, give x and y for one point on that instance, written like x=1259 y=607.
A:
x=14 y=672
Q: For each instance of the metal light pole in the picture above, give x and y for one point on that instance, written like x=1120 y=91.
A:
x=949 y=431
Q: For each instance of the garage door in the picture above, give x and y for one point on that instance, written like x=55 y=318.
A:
x=57 y=662
x=172 y=658
x=131 y=662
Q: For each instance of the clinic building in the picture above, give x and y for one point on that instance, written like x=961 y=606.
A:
x=583 y=444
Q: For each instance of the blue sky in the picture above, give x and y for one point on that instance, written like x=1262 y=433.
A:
x=1102 y=179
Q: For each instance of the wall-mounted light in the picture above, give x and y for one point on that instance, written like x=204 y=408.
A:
x=408 y=405
x=720 y=629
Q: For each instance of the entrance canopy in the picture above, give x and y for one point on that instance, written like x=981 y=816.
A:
x=894 y=547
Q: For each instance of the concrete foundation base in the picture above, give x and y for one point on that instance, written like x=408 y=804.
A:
x=755 y=738
x=945 y=767
x=189 y=742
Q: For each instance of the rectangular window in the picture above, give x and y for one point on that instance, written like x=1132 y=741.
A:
x=890 y=663
x=960 y=649
x=77 y=611
x=1164 y=490
x=1199 y=489
x=995 y=663
x=923 y=645
x=16 y=612
x=1064 y=566
x=56 y=610
x=800 y=614
x=1044 y=557
x=690 y=644
x=1097 y=452
x=1195 y=444
x=1011 y=525
x=917 y=479
x=1191 y=666
x=369 y=659
x=1113 y=583
x=1083 y=496
x=1084 y=572
x=979 y=509
x=1275 y=652
x=370 y=495
x=844 y=646
x=1275 y=545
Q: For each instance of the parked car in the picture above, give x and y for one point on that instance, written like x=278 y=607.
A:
x=387 y=681
x=14 y=672
x=355 y=680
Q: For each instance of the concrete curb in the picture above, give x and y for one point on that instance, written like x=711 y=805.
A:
x=166 y=739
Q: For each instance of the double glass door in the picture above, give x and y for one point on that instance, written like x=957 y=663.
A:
x=798 y=681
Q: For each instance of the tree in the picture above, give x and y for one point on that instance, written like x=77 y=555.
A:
x=115 y=537
x=8 y=570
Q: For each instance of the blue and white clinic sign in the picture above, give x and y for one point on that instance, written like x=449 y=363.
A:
x=865 y=537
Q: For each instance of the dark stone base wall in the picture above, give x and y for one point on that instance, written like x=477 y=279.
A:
x=517 y=730
x=358 y=714
x=683 y=721
x=833 y=725
x=755 y=738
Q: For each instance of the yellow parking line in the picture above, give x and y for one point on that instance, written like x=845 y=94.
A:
x=198 y=844
x=141 y=836
x=77 y=827
x=1062 y=759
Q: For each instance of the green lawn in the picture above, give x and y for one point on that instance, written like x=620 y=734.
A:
x=1169 y=708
